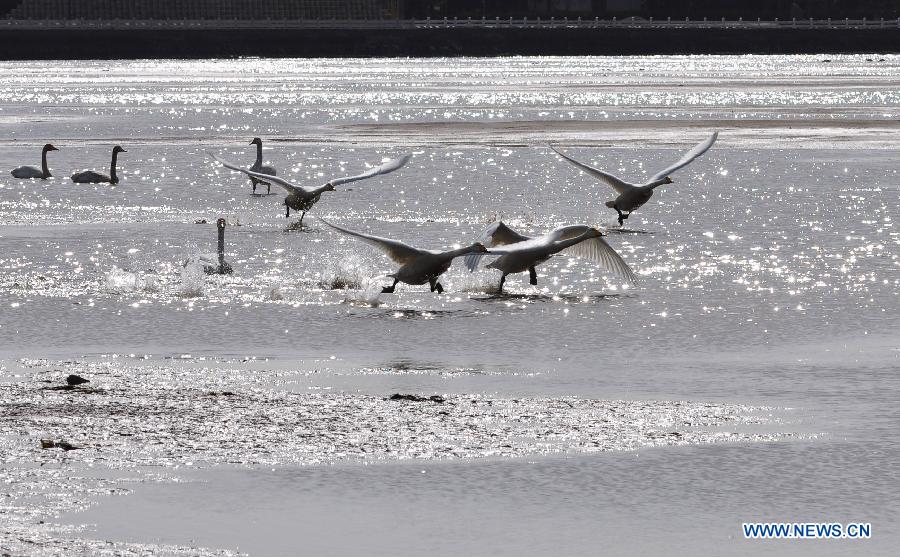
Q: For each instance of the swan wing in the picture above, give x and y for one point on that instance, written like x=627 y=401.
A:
x=399 y=252
x=386 y=168
x=288 y=187
x=617 y=184
x=497 y=234
x=597 y=250
x=688 y=157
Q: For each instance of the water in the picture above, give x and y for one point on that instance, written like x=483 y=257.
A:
x=767 y=305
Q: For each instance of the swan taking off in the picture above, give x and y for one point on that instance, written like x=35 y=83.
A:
x=302 y=198
x=24 y=172
x=91 y=177
x=259 y=167
x=631 y=196
x=417 y=266
x=520 y=253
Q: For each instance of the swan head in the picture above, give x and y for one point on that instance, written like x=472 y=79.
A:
x=118 y=149
x=329 y=187
x=256 y=141
x=50 y=147
x=667 y=180
x=593 y=233
x=478 y=247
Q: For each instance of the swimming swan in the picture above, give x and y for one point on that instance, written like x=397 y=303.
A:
x=43 y=173
x=631 y=196
x=417 y=266
x=520 y=253
x=302 y=198
x=91 y=177
x=259 y=167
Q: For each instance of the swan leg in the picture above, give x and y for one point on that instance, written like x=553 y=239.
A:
x=621 y=216
x=435 y=285
x=300 y=224
x=268 y=189
x=532 y=275
x=502 y=280
x=287 y=213
x=389 y=289
x=253 y=181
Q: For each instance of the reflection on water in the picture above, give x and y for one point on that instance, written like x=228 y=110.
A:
x=768 y=271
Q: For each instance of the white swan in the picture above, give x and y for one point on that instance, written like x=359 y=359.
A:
x=259 y=167
x=520 y=253
x=417 y=266
x=24 y=172
x=91 y=177
x=302 y=198
x=631 y=196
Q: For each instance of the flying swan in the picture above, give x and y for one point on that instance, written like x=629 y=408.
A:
x=417 y=266
x=631 y=196
x=302 y=198
x=520 y=253
x=43 y=173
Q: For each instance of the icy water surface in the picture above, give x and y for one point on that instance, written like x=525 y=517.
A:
x=751 y=375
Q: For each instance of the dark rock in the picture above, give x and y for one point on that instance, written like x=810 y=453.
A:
x=76 y=380
x=438 y=399
x=64 y=445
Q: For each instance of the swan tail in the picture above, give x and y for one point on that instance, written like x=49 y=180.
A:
x=611 y=204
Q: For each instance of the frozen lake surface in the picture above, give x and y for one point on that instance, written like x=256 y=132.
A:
x=751 y=375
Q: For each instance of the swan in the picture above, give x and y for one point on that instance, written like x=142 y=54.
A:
x=31 y=172
x=302 y=198
x=91 y=177
x=520 y=253
x=417 y=266
x=259 y=167
x=631 y=196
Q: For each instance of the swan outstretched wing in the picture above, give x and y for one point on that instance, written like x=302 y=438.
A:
x=497 y=234
x=399 y=252
x=617 y=184
x=289 y=187
x=688 y=157
x=386 y=168
x=597 y=250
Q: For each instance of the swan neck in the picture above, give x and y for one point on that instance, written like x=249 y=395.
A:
x=112 y=168
x=461 y=251
x=45 y=170
x=657 y=183
x=572 y=241
x=259 y=153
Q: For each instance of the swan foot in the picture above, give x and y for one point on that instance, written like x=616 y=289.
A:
x=436 y=286
x=389 y=289
x=532 y=275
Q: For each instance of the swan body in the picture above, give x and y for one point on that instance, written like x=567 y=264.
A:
x=92 y=177
x=25 y=172
x=632 y=196
x=259 y=167
x=417 y=266
x=520 y=253
x=302 y=198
